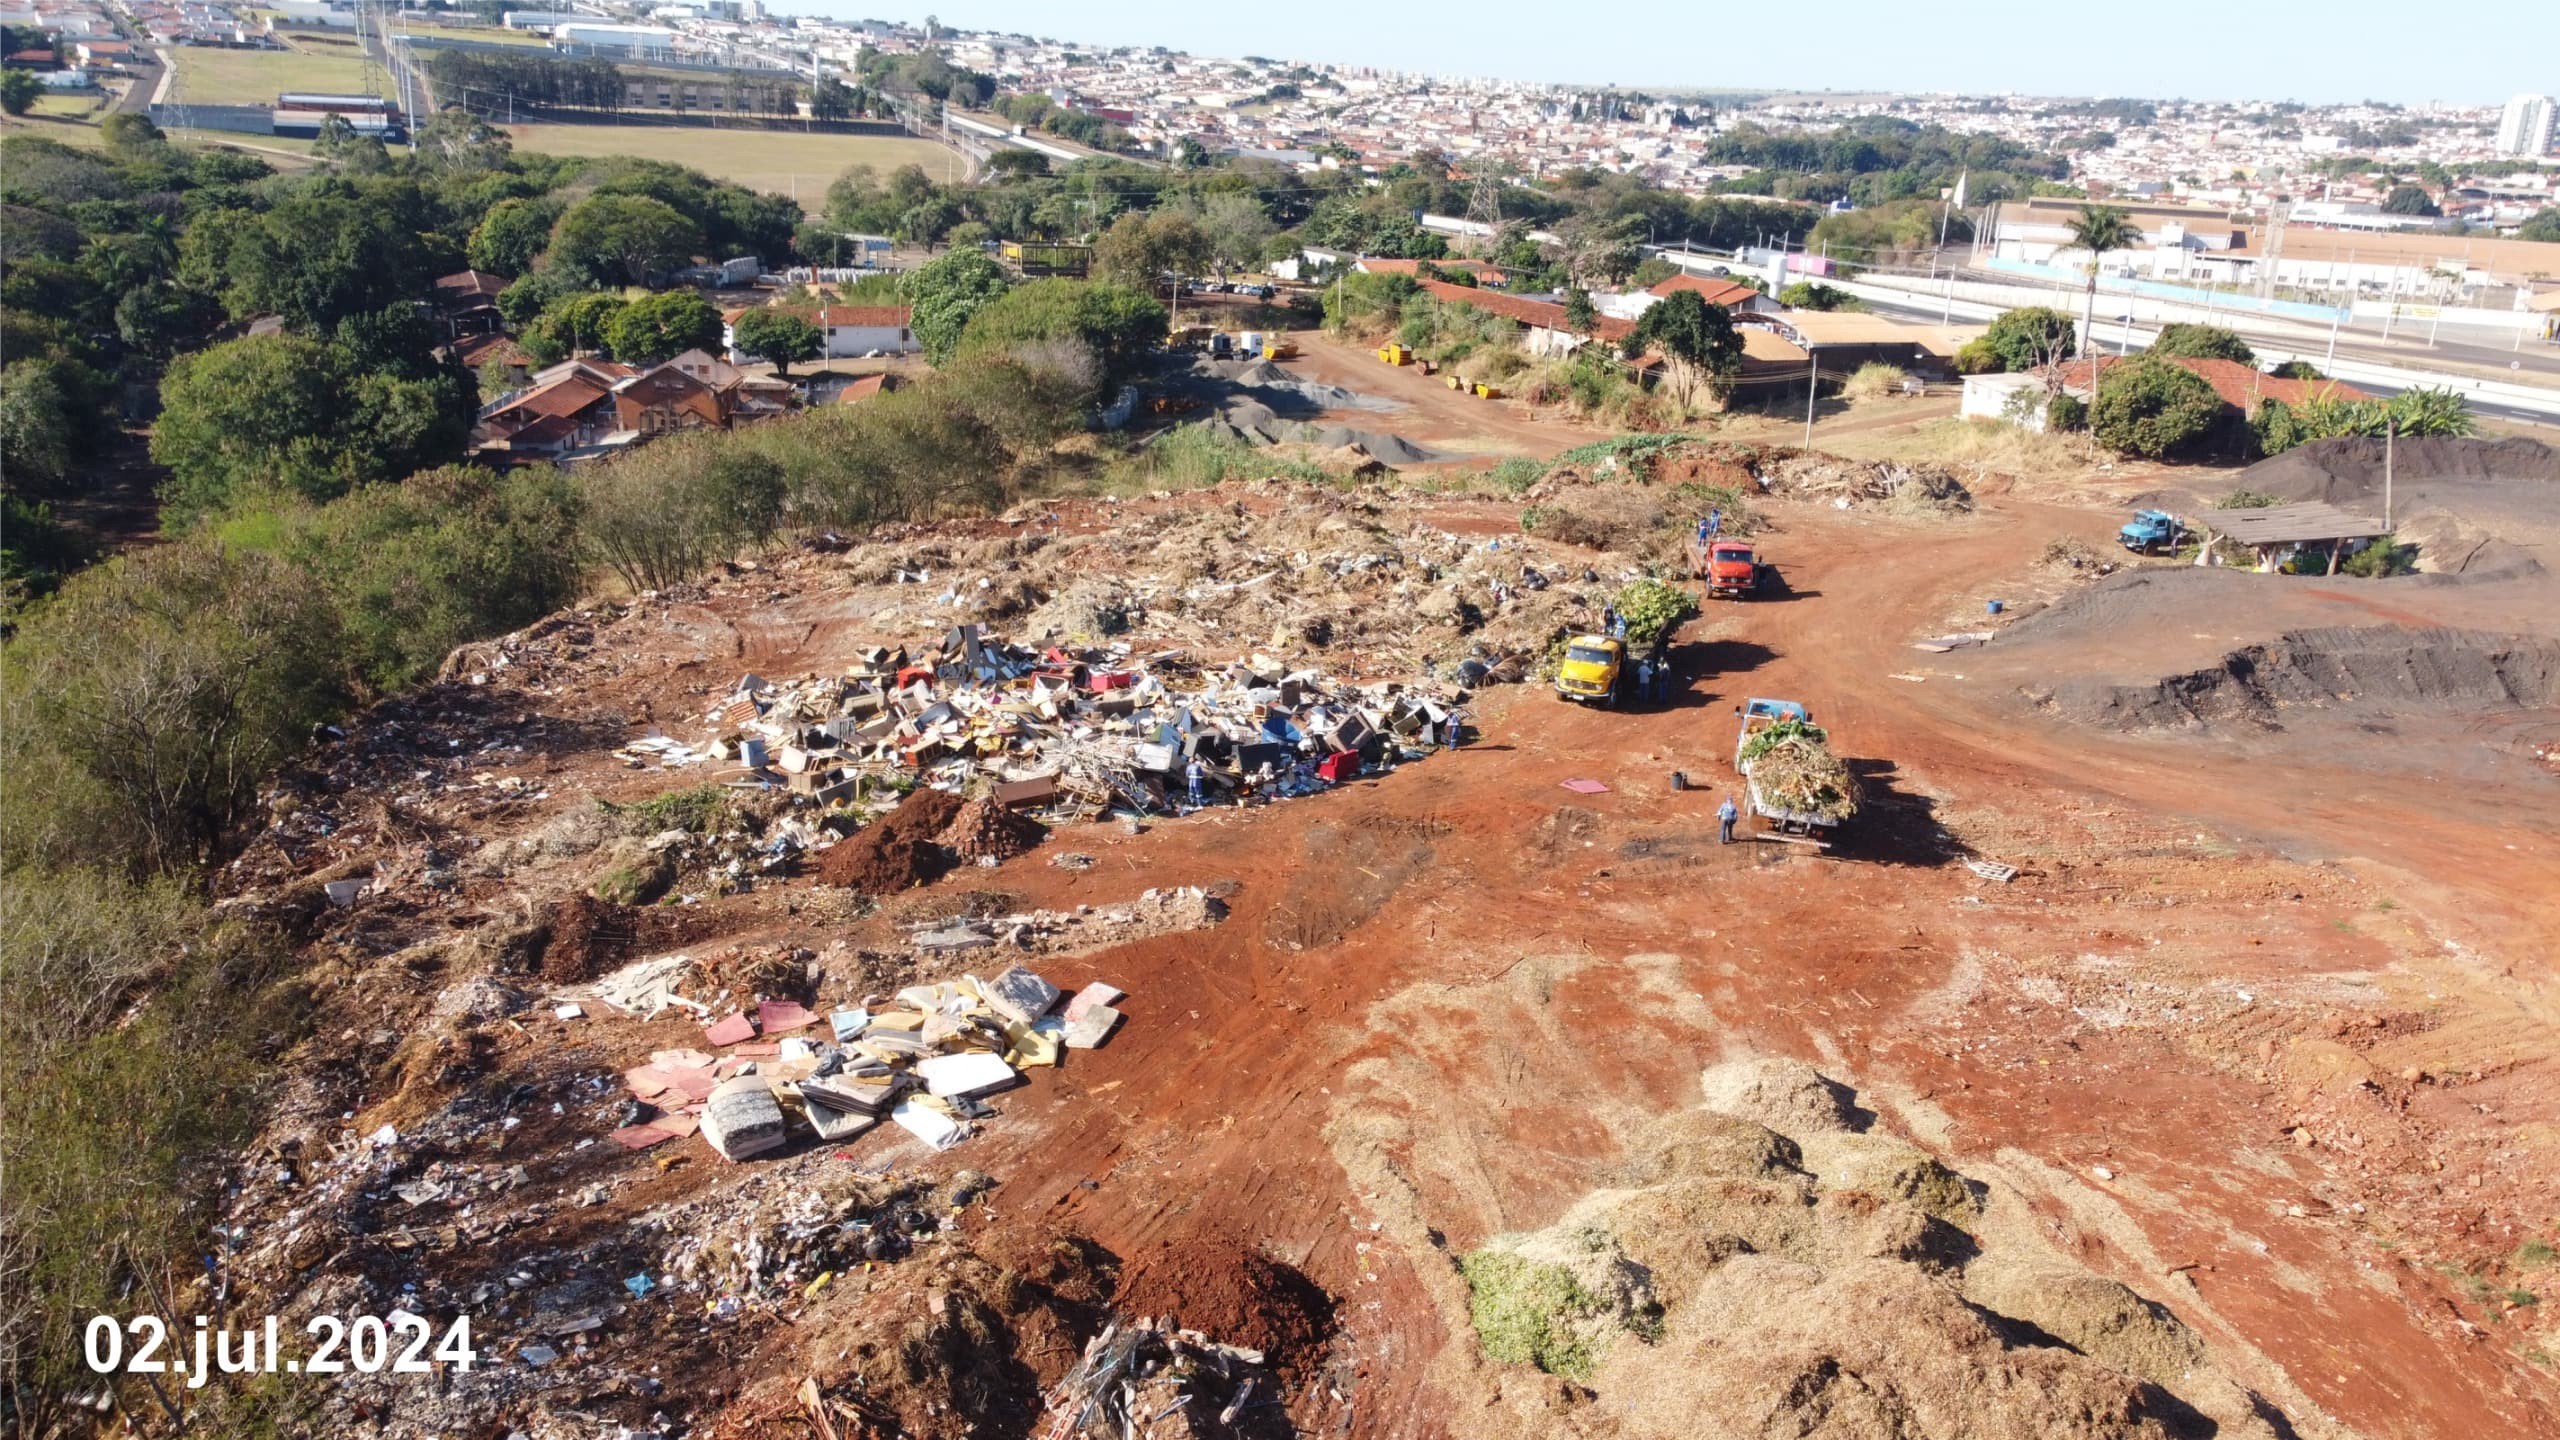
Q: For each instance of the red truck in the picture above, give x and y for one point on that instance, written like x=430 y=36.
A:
x=1731 y=571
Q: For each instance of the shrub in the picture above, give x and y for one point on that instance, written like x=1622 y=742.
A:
x=2066 y=413
x=662 y=515
x=2380 y=557
x=2030 y=336
x=1976 y=357
x=1515 y=473
x=450 y=555
x=2153 y=409
x=113 y=1117
x=2246 y=499
x=2202 y=342
x=1875 y=380
x=1652 y=610
x=142 y=706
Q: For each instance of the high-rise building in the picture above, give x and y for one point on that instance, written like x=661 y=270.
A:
x=2525 y=126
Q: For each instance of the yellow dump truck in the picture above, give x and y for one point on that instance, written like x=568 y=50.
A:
x=1591 y=669
x=1279 y=349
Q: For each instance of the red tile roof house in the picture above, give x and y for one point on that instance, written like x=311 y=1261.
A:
x=1548 y=334
x=848 y=331
x=1733 y=295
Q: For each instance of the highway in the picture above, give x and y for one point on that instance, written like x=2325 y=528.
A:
x=2365 y=366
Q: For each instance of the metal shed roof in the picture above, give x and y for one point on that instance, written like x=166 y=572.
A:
x=2290 y=524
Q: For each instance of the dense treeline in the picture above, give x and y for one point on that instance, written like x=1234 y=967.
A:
x=500 y=86
x=1874 y=159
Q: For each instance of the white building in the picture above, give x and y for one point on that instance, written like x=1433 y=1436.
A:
x=633 y=39
x=849 y=331
x=2525 y=126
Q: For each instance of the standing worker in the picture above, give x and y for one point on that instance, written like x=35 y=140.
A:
x=1455 y=721
x=1608 y=619
x=1726 y=814
x=1192 y=772
x=1644 y=680
x=1715 y=521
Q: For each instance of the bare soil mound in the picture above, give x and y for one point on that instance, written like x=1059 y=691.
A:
x=898 y=851
x=585 y=935
x=2349 y=470
x=1233 y=1293
x=2379 y=665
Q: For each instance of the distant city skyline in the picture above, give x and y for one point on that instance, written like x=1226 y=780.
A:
x=2336 y=53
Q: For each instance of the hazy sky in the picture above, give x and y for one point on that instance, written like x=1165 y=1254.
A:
x=2471 y=51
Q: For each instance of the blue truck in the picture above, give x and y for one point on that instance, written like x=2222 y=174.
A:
x=2151 y=531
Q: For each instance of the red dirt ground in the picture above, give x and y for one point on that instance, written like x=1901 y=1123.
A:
x=1446 y=1002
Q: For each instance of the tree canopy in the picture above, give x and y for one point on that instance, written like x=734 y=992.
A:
x=778 y=337
x=1117 y=324
x=942 y=295
x=2202 y=342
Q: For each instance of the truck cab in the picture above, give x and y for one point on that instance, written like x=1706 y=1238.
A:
x=1730 y=568
x=1591 y=669
x=1758 y=715
x=2151 y=530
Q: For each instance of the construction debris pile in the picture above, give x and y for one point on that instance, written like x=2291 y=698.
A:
x=1070 y=734
x=1141 y=1382
x=923 y=1059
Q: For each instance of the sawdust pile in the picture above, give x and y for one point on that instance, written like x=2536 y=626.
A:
x=1779 y=1267
x=985 y=830
x=1230 y=1291
x=898 y=851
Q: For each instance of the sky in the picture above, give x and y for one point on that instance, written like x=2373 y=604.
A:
x=2471 y=52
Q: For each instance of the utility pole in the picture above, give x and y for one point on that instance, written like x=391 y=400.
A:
x=2390 y=431
x=1812 y=387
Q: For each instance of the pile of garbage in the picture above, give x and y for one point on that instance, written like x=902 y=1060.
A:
x=923 y=1060
x=1791 y=767
x=1141 y=1382
x=1060 y=733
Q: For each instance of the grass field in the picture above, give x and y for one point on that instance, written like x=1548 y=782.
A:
x=208 y=76
x=491 y=34
x=782 y=161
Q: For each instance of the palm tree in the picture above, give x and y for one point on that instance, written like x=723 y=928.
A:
x=2099 y=229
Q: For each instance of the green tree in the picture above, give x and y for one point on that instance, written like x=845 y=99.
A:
x=614 y=238
x=2409 y=200
x=1117 y=324
x=1580 y=316
x=1806 y=295
x=2202 y=342
x=1696 y=338
x=2153 y=409
x=777 y=336
x=658 y=326
x=2099 y=229
x=2544 y=225
x=301 y=416
x=942 y=296
x=40 y=425
x=2029 y=337
x=581 y=322
x=509 y=237
x=319 y=257
x=831 y=99
x=1140 y=249
x=19 y=90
